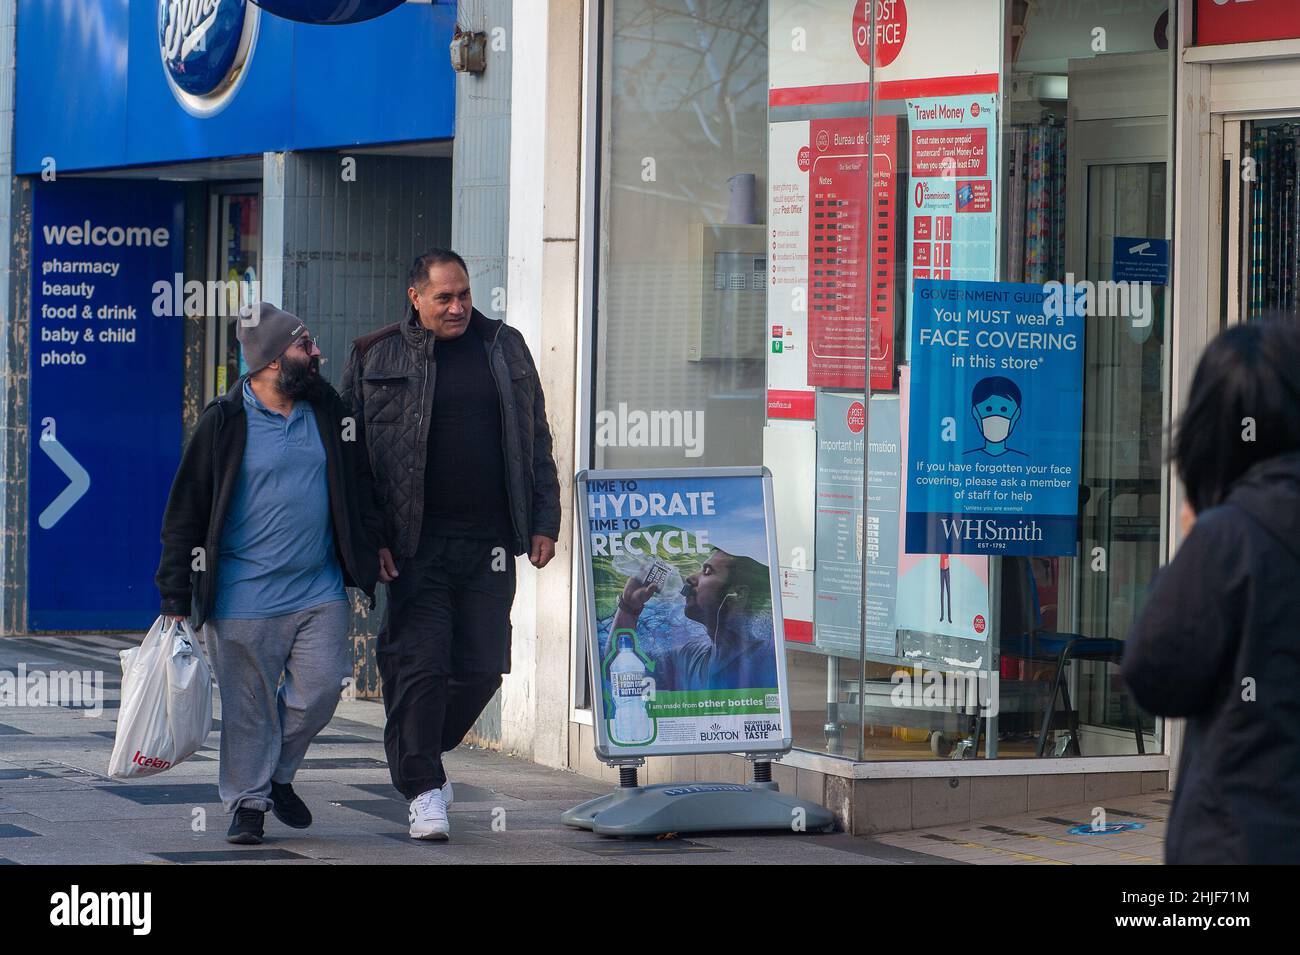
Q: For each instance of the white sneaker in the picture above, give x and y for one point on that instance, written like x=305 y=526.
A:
x=428 y=816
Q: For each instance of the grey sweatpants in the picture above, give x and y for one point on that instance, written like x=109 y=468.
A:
x=265 y=731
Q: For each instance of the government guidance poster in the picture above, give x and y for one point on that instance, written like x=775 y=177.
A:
x=996 y=411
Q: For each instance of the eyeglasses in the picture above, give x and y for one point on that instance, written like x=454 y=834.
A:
x=306 y=344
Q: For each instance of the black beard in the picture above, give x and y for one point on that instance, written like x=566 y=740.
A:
x=301 y=380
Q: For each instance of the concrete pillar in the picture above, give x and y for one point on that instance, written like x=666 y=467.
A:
x=545 y=164
x=480 y=159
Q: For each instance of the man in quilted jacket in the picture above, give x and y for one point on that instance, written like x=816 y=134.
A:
x=451 y=417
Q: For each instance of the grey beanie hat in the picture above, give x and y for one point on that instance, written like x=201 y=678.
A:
x=265 y=332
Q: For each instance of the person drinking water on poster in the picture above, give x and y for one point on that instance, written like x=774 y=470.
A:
x=995 y=405
x=730 y=597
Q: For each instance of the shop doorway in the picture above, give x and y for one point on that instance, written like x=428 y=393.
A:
x=235 y=261
x=1117 y=192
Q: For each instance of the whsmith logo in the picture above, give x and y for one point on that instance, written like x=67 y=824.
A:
x=761 y=729
x=965 y=529
x=715 y=733
x=205 y=47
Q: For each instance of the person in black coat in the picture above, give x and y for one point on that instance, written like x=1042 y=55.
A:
x=1218 y=640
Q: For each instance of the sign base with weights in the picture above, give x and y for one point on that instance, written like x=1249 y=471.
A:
x=633 y=810
x=685 y=624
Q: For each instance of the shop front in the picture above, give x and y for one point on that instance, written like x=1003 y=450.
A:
x=916 y=258
x=169 y=169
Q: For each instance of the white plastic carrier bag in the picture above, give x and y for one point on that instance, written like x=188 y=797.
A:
x=166 y=709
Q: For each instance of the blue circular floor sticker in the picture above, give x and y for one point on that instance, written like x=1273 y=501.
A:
x=1114 y=827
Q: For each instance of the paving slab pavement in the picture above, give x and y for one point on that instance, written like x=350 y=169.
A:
x=58 y=805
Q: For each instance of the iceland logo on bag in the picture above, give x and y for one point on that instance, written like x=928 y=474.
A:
x=205 y=47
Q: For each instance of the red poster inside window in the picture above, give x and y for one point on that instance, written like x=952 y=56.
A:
x=851 y=260
x=1246 y=21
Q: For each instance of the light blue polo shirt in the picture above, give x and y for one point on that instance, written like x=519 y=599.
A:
x=277 y=544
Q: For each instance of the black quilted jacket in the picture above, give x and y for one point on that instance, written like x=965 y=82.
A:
x=388 y=383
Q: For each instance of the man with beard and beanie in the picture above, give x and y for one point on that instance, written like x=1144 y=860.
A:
x=450 y=409
x=273 y=501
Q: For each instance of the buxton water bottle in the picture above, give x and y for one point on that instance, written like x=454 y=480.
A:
x=627 y=678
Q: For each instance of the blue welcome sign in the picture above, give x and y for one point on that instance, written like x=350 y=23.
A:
x=996 y=406
x=105 y=404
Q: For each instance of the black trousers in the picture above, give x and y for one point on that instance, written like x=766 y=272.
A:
x=441 y=652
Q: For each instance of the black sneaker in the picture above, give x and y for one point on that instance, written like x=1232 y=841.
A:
x=288 y=807
x=246 y=828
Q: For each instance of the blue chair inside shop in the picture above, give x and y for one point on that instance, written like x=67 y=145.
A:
x=1045 y=646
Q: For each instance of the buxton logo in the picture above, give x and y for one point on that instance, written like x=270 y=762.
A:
x=715 y=733
x=205 y=47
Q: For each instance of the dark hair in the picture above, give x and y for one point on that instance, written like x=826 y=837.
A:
x=988 y=387
x=1250 y=371
x=420 y=267
x=744 y=571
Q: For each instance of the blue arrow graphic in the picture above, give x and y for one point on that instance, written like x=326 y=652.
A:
x=78 y=482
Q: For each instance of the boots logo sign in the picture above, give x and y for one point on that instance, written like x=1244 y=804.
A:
x=206 y=46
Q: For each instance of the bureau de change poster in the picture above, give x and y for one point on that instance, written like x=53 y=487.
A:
x=996 y=403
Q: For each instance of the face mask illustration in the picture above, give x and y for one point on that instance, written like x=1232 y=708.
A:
x=996 y=428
